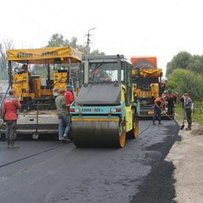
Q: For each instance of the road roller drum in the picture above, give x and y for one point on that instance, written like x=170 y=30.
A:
x=98 y=132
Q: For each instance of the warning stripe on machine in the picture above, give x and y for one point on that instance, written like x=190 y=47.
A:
x=95 y=119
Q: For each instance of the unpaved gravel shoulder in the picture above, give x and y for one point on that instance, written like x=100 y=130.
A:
x=187 y=157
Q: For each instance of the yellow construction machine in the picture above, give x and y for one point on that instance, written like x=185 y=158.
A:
x=37 y=93
x=104 y=112
x=146 y=79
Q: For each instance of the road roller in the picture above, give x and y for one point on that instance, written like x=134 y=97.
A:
x=104 y=113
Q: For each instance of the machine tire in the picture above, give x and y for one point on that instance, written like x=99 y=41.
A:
x=133 y=134
x=122 y=135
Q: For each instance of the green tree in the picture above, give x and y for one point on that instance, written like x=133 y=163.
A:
x=58 y=40
x=186 y=61
x=181 y=60
x=182 y=81
x=196 y=64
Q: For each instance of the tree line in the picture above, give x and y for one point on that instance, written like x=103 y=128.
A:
x=185 y=74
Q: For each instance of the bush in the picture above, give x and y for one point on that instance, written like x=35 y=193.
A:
x=181 y=81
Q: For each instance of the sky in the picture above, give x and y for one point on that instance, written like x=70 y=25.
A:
x=160 y=28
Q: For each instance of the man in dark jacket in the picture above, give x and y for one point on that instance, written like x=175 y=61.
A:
x=187 y=105
x=10 y=116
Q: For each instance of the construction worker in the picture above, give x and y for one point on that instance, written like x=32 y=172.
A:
x=175 y=95
x=63 y=116
x=188 y=106
x=23 y=69
x=100 y=75
x=69 y=97
x=170 y=104
x=10 y=106
x=159 y=104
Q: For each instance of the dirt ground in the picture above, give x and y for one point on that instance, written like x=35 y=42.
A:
x=187 y=157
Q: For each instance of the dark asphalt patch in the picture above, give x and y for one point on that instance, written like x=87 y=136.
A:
x=164 y=147
x=158 y=187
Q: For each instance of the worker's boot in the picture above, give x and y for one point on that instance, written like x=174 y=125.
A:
x=160 y=123
x=13 y=144
x=188 y=128
x=8 y=143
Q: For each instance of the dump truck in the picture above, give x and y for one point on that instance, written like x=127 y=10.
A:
x=37 y=93
x=147 y=82
x=104 y=113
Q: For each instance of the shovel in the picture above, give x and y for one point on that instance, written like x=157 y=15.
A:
x=183 y=124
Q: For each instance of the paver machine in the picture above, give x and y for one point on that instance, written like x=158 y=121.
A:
x=146 y=79
x=104 y=112
x=37 y=92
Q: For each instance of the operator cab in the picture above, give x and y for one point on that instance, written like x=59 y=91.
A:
x=103 y=77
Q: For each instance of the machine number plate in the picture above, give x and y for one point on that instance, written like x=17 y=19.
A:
x=97 y=110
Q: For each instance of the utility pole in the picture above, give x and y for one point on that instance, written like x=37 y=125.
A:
x=88 y=36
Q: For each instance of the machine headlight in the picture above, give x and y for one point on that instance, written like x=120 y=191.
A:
x=114 y=110
x=77 y=110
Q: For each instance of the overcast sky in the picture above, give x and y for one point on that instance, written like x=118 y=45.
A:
x=159 y=28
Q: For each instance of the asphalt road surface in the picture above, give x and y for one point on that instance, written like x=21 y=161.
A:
x=49 y=171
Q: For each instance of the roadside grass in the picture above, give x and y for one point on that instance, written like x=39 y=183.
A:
x=197 y=114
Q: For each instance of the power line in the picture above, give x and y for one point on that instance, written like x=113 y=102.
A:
x=88 y=36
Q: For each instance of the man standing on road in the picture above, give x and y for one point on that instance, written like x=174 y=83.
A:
x=158 y=107
x=63 y=116
x=9 y=114
x=188 y=105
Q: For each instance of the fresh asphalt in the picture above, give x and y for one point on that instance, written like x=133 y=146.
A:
x=49 y=171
